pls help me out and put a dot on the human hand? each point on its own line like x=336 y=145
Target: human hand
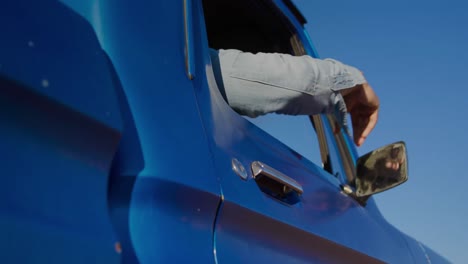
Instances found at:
x=363 y=105
x=396 y=159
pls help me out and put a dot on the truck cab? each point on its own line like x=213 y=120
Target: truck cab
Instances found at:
x=118 y=146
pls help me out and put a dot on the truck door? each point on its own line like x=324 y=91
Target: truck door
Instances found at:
x=278 y=206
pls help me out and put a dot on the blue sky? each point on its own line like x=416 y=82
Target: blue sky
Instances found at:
x=415 y=55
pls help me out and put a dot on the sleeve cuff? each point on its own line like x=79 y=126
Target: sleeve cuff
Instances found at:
x=346 y=76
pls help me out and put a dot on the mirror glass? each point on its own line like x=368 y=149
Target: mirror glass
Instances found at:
x=381 y=169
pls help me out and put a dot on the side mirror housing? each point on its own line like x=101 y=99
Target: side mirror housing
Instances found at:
x=381 y=169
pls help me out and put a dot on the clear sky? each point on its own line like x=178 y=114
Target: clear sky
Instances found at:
x=415 y=55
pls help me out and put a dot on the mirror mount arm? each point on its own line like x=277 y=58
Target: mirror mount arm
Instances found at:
x=362 y=200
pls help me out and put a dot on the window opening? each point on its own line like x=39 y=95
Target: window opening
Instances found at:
x=258 y=26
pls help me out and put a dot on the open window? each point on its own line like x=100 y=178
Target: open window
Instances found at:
x=253 y=26
x=259 y=26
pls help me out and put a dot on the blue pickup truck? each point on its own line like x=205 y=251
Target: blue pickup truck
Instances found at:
x=116 y=145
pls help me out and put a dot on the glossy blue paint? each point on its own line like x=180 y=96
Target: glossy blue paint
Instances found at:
x=57 y=137
x=105 y=140
x=175 y=194
x=61 y=206
x=323 y=212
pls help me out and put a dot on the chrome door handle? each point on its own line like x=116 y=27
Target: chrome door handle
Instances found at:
x=288 y=184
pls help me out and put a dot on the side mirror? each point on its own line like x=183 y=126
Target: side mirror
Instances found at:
x=381 y=169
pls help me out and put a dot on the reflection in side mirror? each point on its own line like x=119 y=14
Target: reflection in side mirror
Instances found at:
x=381 y=169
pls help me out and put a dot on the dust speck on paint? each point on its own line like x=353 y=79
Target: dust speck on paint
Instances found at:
x=45 y=83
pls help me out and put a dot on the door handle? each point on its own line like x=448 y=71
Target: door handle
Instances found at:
x=274 y=180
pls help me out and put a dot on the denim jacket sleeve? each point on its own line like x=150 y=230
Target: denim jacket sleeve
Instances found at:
x=257 y=84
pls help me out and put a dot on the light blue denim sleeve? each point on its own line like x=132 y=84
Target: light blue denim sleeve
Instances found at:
x=262 y=83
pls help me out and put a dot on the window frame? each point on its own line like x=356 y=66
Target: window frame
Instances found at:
x=337 y=151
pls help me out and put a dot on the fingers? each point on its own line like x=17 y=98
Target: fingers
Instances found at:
x=392 y=165
x=363 y=124
x=372 y=121
x=357 y=128
x=363 y=105
x=336 y=128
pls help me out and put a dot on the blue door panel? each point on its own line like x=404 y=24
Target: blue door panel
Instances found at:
x=253 y=226
x=271 y=241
